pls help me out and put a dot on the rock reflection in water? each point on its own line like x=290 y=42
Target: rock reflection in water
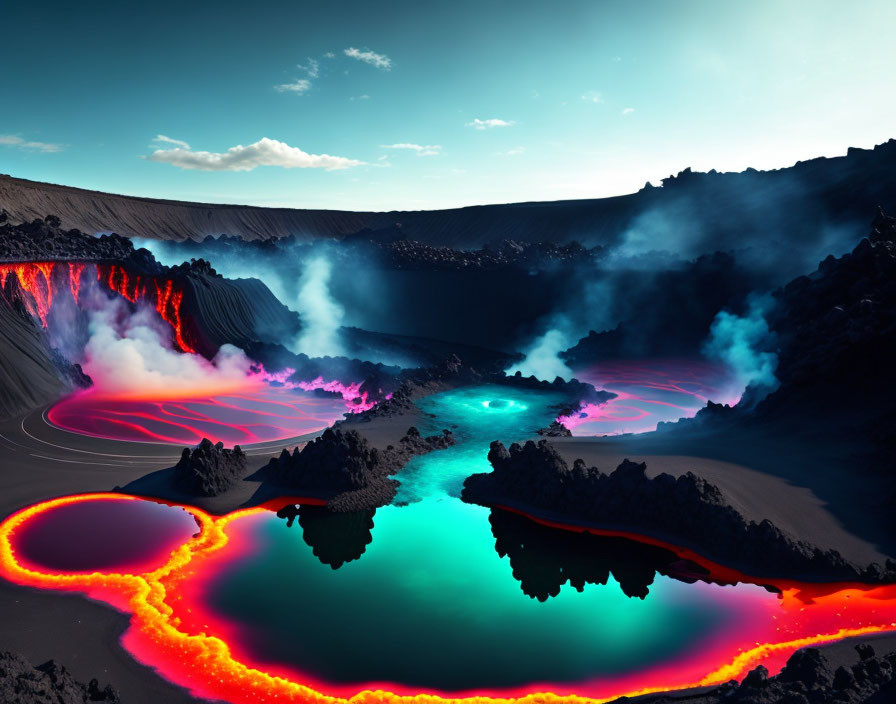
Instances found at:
x=334 y=538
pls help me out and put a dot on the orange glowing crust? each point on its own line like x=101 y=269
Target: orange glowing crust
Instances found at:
x=204 y=664
x=41 y=295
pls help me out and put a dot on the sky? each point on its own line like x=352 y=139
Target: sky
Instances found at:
x=418 y=105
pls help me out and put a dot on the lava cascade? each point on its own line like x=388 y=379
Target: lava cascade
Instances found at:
x=40 y=283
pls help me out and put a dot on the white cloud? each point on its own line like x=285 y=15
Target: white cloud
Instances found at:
x=369 y=57
x=312 y=68
x=420 y=149
x=329 y=55
x=169 y=140
x=298 y=86
x=360 y=97
x=488 y=124
x=264 y=152
x=513 y=151
x=627 y=111
x=11 y=140
x=593 y=96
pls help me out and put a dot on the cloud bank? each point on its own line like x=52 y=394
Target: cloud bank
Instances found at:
x=264 y=152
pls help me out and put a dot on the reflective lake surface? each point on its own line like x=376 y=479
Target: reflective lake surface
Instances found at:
x=433 y=593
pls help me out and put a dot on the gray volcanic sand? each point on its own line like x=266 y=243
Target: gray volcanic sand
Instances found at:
x=41 y=462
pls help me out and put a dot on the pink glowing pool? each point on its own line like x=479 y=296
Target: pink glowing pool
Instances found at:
x=259 y=413
x=650 y=392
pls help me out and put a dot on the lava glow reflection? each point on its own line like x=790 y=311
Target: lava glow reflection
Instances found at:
x=649 y=392
x=252 y=414
x=186 y=645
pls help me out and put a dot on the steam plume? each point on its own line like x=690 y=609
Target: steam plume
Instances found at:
x=321 y=315
x=744 y=344
x=543 y=357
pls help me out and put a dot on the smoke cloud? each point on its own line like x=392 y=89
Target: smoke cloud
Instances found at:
x=130 y=353
x=543 y=357
x=744 y=343
x=321 y=315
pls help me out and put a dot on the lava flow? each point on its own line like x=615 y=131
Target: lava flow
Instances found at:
x=648 y=393
x=249 y=413
x=39 y=285
x=171 y=633
x=165 y=295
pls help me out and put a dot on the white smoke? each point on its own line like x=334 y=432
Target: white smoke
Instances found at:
x=131 y=353
x=543 y=357
x=744 y=344
x=320 y=313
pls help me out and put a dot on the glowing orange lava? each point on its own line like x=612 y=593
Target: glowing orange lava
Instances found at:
x=185 y=652
x=37 y=282
x=35 y=279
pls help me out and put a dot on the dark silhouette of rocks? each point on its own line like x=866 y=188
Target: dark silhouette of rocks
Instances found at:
x=836 y=333
x=209 y=469
x=334 y=537
x=343 y=467
x=543 y=559
x=809 y=677
x=686 y=511
x=22 y=683
x=555 y=430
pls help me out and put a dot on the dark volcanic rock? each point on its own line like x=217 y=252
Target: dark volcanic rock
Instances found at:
x=687 y=511
x=809 y=678
x=343 y=467
x=50 y=683
x=837 y=338
x=209 y=469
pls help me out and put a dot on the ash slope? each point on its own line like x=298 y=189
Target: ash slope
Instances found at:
x=834 y=190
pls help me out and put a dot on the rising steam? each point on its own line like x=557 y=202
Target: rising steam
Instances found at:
x=744 y=345
x=132 y=354
x=543 y=357
x=321 y=315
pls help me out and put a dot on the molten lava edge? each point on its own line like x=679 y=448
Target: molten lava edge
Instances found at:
x=174 y=635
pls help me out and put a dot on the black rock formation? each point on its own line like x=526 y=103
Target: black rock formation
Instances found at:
x=209 y=469
x=686 y=511
x=809 y=677
x=22 y=683
x=342 y=467
x=334 y=537
x=543 y=559
x=31 y=372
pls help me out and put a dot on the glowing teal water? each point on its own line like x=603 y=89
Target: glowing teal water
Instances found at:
x=477 y=416
x=430 y=604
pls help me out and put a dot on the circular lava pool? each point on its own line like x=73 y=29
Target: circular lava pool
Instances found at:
x=260 y=413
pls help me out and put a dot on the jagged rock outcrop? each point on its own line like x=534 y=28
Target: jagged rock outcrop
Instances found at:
x=31 y=372
x=809 y=677
x=343 y=467
x=209 y=469
x=686 y=511
x=50 y=683
x=836 y=333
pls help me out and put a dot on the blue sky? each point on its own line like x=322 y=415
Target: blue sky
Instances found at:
x=493 y=101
